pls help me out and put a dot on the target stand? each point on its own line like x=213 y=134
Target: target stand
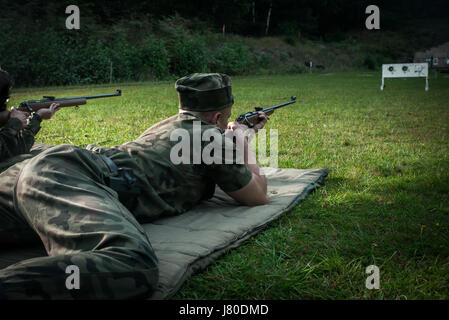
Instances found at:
x=405 y=70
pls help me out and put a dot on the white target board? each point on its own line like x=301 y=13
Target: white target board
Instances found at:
x=405 y=70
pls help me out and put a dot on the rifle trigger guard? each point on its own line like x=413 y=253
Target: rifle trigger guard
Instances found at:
x=27 y=105
x=249 y=124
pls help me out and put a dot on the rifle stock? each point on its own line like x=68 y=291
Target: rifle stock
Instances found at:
x=45 y=104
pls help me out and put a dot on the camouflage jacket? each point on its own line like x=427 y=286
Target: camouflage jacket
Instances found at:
x=168 y=188
x=15 y=140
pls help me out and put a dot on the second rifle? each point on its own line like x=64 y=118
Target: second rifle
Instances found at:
x=34 y=105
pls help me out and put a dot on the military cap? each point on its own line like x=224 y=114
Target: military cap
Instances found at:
x=204 y=92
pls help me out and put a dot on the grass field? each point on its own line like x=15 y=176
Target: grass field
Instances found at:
x=385 y=201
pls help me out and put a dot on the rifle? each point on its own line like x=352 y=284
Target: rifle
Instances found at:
x=34 y=105
x=251 y=118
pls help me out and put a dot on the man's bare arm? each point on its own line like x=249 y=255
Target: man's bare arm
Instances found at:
x=252 y=194
x=255 y=192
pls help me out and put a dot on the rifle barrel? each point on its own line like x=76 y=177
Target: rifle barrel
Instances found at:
x=118 y=93
x=278 y=106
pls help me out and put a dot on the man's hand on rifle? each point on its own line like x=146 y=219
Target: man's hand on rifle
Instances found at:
x=44 y=113
x=263 y=118
x=22 y=116
x=47 y=113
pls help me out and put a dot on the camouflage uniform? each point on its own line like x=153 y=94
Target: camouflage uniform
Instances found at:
x=62 y=195
x=14 y=140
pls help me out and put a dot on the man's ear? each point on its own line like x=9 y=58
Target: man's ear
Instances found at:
x=216 y=117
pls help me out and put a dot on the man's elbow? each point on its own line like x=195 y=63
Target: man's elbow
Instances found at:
x=258 y=201
x=264 y=201
x=253 y=194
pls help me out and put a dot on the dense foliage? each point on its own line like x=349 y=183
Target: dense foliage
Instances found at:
x=158 y=39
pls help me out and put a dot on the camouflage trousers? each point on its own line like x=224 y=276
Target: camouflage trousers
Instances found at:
x=59 y=198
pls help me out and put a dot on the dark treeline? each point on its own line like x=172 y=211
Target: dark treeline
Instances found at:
x=159 y=38
x=246 y=17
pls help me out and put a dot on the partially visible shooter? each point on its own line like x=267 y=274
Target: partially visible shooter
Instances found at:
x=17 y=135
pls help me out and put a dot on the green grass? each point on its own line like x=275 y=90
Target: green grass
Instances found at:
x=385 y=201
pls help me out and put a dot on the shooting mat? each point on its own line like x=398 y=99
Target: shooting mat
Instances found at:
x=187 y=243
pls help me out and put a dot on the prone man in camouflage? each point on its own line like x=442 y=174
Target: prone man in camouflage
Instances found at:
x=17 y=135
x=86 y=205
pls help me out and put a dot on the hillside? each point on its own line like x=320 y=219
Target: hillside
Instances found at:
x=135 y=50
